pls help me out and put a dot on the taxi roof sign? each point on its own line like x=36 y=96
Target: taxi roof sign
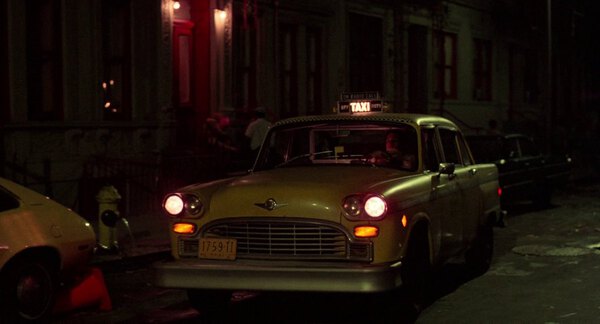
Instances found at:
x=366 y=95
x=360 y=102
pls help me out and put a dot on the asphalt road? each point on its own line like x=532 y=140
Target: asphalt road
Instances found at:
x=545 y=268
x=544 y=271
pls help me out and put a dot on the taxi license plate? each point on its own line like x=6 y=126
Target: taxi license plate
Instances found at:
x=217 y=248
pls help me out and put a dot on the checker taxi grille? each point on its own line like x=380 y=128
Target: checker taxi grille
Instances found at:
x=283 y=239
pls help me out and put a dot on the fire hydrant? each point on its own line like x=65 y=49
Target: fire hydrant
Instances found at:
x=108 y=214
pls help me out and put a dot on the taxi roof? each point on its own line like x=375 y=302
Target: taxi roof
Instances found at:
x=405 y=118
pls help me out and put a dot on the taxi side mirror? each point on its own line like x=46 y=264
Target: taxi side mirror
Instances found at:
x=446 y=168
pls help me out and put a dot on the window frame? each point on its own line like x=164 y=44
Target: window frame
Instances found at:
x=44 y=60
x=482 y=69
x=314 y=66
x=366 y=67
x=116 y=89
x=288 y=69
x=442 y=82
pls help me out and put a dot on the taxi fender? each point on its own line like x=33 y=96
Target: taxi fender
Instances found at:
x=433 y=232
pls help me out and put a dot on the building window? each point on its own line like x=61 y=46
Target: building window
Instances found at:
x=44 y=57
x=245 y=66
x=313 y=74
x=182 y=64
x=116 y=59
x=365 y=53
x=482 y=69
x=288 y=70
x=444 y=60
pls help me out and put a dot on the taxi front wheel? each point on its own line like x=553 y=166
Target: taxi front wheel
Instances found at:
x=27 y=289
x=417 y=272
x=479 y=255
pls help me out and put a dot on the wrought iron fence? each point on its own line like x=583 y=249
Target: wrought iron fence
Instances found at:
x=143 y=183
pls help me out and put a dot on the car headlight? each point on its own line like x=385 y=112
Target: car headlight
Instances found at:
x=375 y=206
x=352 y=205
x=177 y=205
x=364 y=206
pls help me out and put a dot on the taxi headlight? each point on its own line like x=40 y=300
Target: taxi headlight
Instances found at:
x=352 y=205
x=173 y=205
x=193 y=205
x=364 y=207
x=177 y=205
x=375 y=206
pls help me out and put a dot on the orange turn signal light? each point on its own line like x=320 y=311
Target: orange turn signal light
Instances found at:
x=366 y=231
x=184 y=228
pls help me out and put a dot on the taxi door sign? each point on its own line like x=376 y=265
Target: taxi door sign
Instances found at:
x=359 y=102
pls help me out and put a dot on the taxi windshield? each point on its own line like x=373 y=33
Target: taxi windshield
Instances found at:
x=341 y=144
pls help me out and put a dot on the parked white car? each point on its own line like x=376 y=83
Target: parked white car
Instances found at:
x=41 y=244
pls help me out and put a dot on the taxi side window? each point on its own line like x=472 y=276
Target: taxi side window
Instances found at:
x=7 y=201
x=430 y=158
x=449 y=146
x=464 y=152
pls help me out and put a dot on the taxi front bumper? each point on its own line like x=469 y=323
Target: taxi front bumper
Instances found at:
x=278 y=276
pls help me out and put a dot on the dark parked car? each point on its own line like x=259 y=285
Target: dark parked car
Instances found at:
x=524 y=171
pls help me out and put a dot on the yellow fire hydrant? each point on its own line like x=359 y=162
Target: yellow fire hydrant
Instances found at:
x=108 y=214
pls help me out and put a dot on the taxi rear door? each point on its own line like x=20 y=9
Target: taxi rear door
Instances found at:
x=455 y=217
x=443 y=202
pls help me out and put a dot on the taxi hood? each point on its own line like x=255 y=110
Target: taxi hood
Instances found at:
x=315 y=192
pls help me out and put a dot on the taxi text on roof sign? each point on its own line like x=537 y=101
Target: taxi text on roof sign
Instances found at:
x=359 y=102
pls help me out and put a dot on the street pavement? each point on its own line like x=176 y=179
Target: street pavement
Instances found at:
x=545 y=268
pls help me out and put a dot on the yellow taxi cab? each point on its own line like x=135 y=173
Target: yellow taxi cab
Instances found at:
x=357 y=202
x=41 y=243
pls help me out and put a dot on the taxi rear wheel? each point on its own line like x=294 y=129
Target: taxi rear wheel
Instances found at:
x=208 y=302
x=28 y=290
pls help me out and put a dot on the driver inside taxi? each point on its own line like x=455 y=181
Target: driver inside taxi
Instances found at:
x=396 y=153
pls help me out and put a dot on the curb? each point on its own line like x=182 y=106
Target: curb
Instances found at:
x=120 y=263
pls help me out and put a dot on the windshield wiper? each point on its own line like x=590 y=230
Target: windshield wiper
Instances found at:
x=307 y=155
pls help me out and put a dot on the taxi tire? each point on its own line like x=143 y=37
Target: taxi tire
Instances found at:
x=479 y=256
x=38 y=281
x=417 y=271
x=208 y=301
